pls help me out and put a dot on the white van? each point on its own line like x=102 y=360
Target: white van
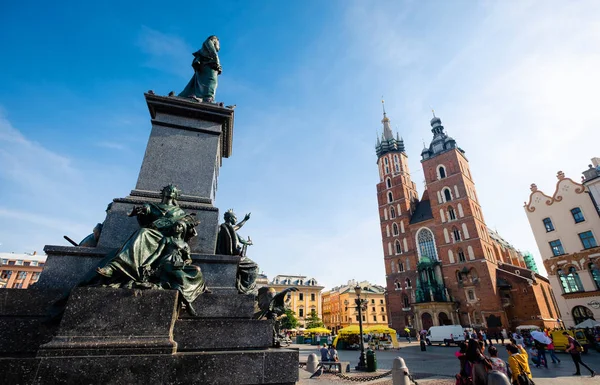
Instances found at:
x=448 y=334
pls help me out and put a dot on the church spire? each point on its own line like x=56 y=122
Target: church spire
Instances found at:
x=387 y=130
x=388 y=143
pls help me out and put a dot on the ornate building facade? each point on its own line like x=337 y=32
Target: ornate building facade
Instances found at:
x=340 y=311
x=304 y=301
x=566 y=227
x=443 y=264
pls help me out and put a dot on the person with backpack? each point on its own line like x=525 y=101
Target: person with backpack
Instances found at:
x=575 y=350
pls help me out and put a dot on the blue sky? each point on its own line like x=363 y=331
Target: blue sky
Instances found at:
x=513 y=82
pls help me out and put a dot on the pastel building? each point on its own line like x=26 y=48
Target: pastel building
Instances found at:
x=19 y=271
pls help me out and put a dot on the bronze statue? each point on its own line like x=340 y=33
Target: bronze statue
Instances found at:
x=229 y=242
x=92 y=239
x=157 y=255
x=272 y=306
x=203 y=85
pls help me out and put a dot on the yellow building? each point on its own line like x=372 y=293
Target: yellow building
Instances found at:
x=304 y=301
x=19 y=271
x=339 y=309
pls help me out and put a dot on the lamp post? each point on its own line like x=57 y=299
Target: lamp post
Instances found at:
x=361 y=361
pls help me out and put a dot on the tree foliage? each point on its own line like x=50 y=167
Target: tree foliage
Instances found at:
x=289 y=321
x=313 y=321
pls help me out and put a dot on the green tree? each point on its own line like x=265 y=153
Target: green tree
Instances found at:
x=289 y=321
x=313 y=321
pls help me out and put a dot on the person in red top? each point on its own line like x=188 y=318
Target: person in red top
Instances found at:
x=576 y=355
x=550 y=350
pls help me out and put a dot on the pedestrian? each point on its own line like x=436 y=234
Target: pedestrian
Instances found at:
x=333 y=354
x=497 y=363
x=489 y=337
x=541 y=348
x=575 y=350
x=464 y=376
x=329 y=340
x=533 y=354
x=550 y=349
x=479 y=363
x=407 y=331
x=484 y=337
x=324 y=353
x=497 y=337
x=518 y=362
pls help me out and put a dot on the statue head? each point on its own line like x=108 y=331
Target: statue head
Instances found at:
x=215 y=41
x=178 y=228
x=171 y=192
x=230 y=217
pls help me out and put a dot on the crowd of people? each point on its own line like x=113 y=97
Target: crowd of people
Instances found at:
x=477 y=369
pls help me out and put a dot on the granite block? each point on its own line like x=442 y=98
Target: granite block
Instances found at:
x=106 y=321
x=31 y=302
x=223 y=305
x=220 y=271
x=227 y=368
x=194 y=334
x=118 y=226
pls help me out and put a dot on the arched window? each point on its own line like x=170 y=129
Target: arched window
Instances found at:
x=392 y=212
x=400 y=267
x=398 y=249
x=570 y=282
x=395 y=229
x=426 y=244
x=442 y=172
x=388 y=183
x=408 y=285
x=595 y=274
x=581 y=313
x=447 y=195
x=451 y=214
x=390 y=197
x=471 y=295
x=405 y=301
x=397 y=284
x=396 y=164
x=461 y=256
x=456 y=234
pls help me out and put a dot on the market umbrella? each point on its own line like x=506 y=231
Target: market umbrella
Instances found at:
x=588 y=323
x=319 y=330
x=352 y=329
x=541 y=337
x=382 y=329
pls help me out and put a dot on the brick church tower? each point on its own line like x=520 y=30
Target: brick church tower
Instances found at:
x=443 y=265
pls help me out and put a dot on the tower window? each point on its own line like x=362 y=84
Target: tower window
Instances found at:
x=395 y=229
x=426 y=245
x=471 y=294
x=461 y=255
x=408 y=285
x=548 y=225
x=587 y=240
x=451 y=214
x=447 y=195
x=442 y=172
x=400 y=267
x=392 y=212
x=456 y=234
x=405 y=301
x=399 y=251
x=390 y=197
x=577 y=215
x=388 y=183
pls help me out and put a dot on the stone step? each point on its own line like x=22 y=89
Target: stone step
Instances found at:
x=197 y=334
x=223 y=304
x=244 y=367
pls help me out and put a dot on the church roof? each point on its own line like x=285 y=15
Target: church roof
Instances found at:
x=423 y=211
x=440 y=143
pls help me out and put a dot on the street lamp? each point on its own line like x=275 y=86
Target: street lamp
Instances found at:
x=361 y=361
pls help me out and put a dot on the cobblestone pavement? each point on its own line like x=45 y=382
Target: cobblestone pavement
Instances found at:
x=438 y=365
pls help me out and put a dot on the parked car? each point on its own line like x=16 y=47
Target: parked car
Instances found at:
x=447 y=334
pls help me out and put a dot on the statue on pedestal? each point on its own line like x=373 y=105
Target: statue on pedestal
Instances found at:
x=157 y=256
x=207 y=68
x=229 y=242
x=272 y=306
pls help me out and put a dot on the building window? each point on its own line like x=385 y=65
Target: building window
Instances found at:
x=548 y=225
x=406 y=301
x=442 y=172
x=390 y=197
x=6 y=274
x=556 y=247
x=587 y=240
x=570 y=282
x=426 y=244
x=312 y=296
x=301 y=296
x=595 y=274
x=395 y=230
x=381 y=301
x=383 y=318
x=375 y=318
x=22 y=275
x=392 y=212
x=451 y=214
x=301 y=312
x=577 y=215
x=20 y=261
x=447 y=195
x=581 y=313
x=18 y=285
x=408 y=285
x=461 y=255
x=397 y=284
x=364 y=318
x=388 y=183
x=34 y=263
x=398 y=250
x=456 y=234
x=4 y=261
x=356 y=318
x=471 y=295
x=382 y=309
x=400 y=267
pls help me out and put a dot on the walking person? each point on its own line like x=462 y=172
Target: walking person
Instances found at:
x=541 y=348
x=550 y=349
x=575 y=350
x=407 y=331
x=518 y=362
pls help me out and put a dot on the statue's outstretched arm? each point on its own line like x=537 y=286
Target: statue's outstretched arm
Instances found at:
x=240 y=224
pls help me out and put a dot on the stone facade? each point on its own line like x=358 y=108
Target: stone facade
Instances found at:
x=304 y=301
x=339 y=309
x=443 y=264
x=566 y=227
